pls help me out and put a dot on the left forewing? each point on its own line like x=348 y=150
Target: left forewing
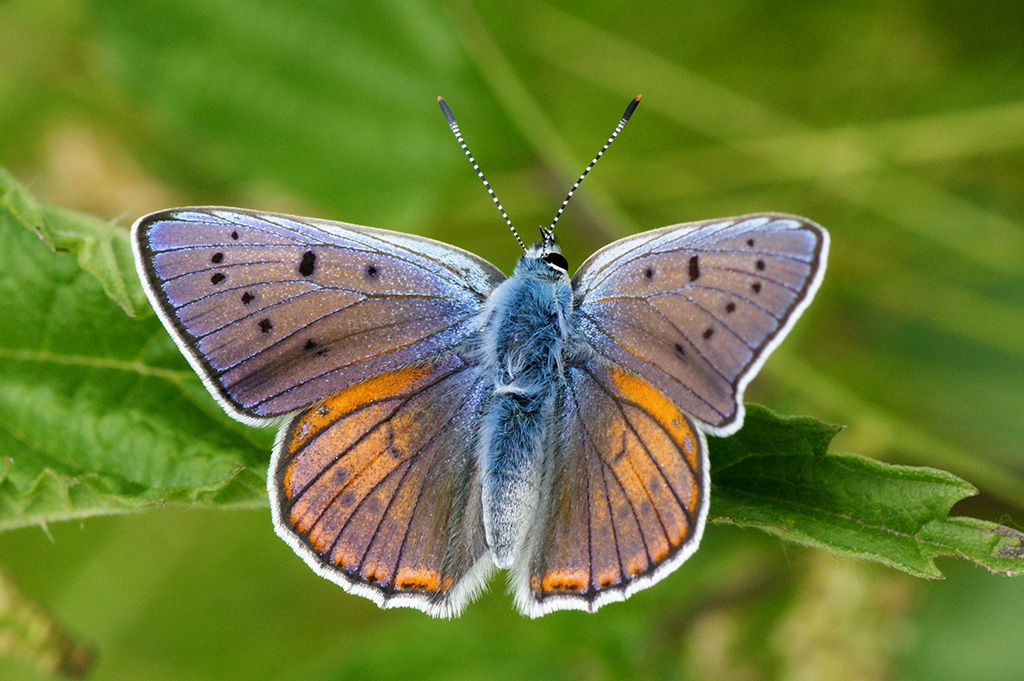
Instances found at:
x=276 y=312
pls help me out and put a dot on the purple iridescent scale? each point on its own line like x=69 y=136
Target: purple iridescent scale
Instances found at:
x=279 y=313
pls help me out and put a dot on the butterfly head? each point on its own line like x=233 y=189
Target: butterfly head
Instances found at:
x=543 y=260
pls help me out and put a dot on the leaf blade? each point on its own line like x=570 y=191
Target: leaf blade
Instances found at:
x=101 y=248
x=99 y=413
x=849 y=504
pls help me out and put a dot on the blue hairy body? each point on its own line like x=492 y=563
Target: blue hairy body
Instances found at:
x=526 y=337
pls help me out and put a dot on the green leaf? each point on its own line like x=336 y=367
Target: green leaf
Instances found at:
x=776 y=475
x=99 y=413
x=101 y=248
x=103 y=415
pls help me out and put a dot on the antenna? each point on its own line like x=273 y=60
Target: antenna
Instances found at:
x=450 y=117
x=550 y=232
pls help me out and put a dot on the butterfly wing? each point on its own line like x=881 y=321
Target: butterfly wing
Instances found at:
x=276 y=312
x=625 y=494
x=679 y=319
x=377 y=487
x=696 y=308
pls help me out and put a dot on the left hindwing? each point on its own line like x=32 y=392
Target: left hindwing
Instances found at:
x=624 y=498
x=696 y=308
x=377 y=487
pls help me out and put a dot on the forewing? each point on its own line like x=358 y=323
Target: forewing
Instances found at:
x=276 y=312
x=696 y=308
x=377 y=487
x=625 y=498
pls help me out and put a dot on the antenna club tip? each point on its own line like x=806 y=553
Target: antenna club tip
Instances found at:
x=448 y=115
x=629 y=109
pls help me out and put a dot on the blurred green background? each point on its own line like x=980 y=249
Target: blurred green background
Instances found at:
x=897 y=125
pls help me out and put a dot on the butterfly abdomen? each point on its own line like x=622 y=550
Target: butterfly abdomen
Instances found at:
x=524 y=343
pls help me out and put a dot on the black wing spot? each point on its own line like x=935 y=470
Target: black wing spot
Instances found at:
x=730 y=307
x=308 y=263
x=649 y=273
x=621 y=452
x=680 y=352
x=323 y=411
x=708 y=333
x=750 y=242
x=760 y=264
x=217 y=278
x=372 y=271
x=310 y=344
x=217 y=258
x=265 y=325
x=694 y=269
x=247 y=298
x=234 y=235
x=756 y=287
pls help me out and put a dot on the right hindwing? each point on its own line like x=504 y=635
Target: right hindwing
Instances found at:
x=624 y=498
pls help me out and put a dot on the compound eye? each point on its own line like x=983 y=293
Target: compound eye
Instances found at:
x=556 y=259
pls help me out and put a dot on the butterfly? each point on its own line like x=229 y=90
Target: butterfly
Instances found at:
x=442 y=420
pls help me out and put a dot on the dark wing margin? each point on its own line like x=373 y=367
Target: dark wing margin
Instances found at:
x=275 y=312
x=696 y=308
x=625 y=497
x=377 y=487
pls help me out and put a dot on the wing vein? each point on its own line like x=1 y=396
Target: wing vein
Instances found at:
x=403 y=401
x=611 y=520
x=617 y=402
x=646 y=360
x=622 y=487
x=426 y=478
x=336 y=369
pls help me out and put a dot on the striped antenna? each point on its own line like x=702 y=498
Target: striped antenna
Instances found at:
x=450 y=117
x=549 y=234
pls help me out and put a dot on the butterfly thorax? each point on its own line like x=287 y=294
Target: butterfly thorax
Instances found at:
x=527 y=328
